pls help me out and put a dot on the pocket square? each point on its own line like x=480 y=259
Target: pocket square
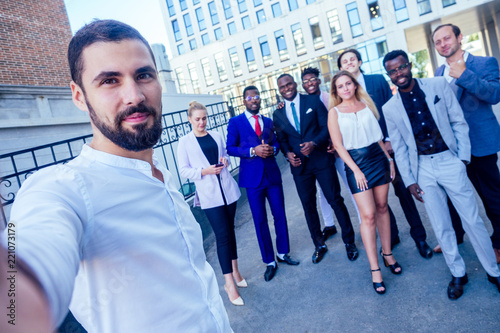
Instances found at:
x=309 y=110
x=436 y=99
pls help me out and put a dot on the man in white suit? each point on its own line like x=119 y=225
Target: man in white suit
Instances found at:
x=430 y=139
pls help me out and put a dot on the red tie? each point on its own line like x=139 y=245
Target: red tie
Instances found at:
x=258 y=130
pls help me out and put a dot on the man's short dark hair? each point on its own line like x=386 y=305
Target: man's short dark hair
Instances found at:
x=310 y=70
x=356 y=52
x=98 y=31
x=284 y=75
x=394 y=54
x=248 y=89
x=456 y=30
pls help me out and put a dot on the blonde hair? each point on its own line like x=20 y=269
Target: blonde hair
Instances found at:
x=361 y=94
x=194 y=105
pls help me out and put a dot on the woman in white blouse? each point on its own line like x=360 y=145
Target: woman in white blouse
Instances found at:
x=202 y=158
x=357 y=137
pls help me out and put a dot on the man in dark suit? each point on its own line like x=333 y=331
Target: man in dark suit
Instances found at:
x=301 y=127
x=250 y=137
x=379 y=90
x=476 y=83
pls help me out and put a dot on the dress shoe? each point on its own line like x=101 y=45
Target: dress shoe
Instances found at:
x=287 y=259
x=456 y=287
x=238 y=301
x=395 y=242
x=319 y=253
x=329 y=231
x=495 y=280
x=270 y=271
x=242 y=284
x=497 y=254
x=437 y=249
x=352 y=251
x=424 y=249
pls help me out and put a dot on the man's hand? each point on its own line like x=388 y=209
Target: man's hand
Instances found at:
x=293 y=159
x=264 y=150
x=388 y=147
x=416 y=191
x=330 y=149
x=307 y=148
x=280 y=105
x=457 y=68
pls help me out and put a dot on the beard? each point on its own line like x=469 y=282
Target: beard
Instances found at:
x=140 y=138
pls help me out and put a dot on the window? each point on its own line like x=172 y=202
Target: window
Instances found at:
x=447 y=3
x=183 y=4
x=375 y=18
x=218 y=33
x=195 y=2
x=308 y=2
x=316 y=33
x=292 y=4
x=281 y=43
x=177 y=31
x=235 y=61
x=180 y=49
x=335 y=30
x=192 y=44
x=266 y=53
x=170 y=6
x=252 y=66
x=257 y=3
x=213 y=13
x=194 y=77
x=276 y=9
x=424 y=6
x=205 y=39
x=181 y=81
x=231 y=27
x=189 y=26
x=298 y=38
x=205 y=66
x=352 y=13
x=372 y=52
x=261 y=16
x=245 y=20
x=242 y=6
x=221 y=68
x=201 y=19
x=226 y=4
x=400 y=10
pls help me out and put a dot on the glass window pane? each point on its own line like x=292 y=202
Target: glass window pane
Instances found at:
x=334 y=23
x=181 y=81
x=261 y=16
x=201 y=19
x=205 y=39
x=177 y=30
x=170 y=6
x=207 y=73
x=231 y=26
x=292 y=4
x=189 y=26
x=226 y=4
x=235 y=62
x=221 y=67
x=276 y=9
x=281 y=43
x=194 y=77
x=316 y=33
x=218 y=33
x=180 y=49
x=245 y=20
x=183 y=4
x=298 y=38
x=447 y=3
x=192 y=44
x=257 y=3
x=242 y=6
x=424 y=7
x=213 y=13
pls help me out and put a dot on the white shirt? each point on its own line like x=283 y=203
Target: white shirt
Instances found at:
x=288 y=109
x=124 y=247
x=446 y=72
x=359 y=129
x=361 y=80
x=251 y=119
x=325 y=98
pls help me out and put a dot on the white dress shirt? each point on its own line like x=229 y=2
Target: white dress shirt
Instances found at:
x=361 y=81
x=446 y=72
x=288 y=109
x=102 y=232
x=251 y=120
x=359 y=129
x=325 y=98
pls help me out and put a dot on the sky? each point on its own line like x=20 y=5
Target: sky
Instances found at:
x=144 y=15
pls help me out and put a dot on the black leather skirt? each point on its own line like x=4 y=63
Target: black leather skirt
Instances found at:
x=373 y=163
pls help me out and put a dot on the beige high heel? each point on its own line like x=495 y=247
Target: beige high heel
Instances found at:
x=242 y=284
x=238 y=301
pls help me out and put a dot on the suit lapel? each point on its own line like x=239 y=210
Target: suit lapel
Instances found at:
x=248 y=125
x=402 y=113
x=429 y=99
x=303 y=109
x=468 y=64
x=285 y=122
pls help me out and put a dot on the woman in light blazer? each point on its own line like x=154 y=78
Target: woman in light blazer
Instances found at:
x=202 y=158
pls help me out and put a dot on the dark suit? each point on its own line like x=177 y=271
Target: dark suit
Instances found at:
x=379 y=90
x=262 y=179
x=319 y=165
x=478 y=88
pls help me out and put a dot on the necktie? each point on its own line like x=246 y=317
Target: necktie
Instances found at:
x=295 y=118
x=258 y=130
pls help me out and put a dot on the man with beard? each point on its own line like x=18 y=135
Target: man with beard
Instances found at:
x=430 y=139
x=250 y=137
x=476 y=83
x=109 y=231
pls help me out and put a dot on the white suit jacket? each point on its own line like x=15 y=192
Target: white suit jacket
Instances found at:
x=190 y=161
x=448 y=116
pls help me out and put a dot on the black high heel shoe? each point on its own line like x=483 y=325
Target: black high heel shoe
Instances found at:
x=392 y=267
x=377 y=285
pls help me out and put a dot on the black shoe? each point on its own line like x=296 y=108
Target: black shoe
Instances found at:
x=329 y=231
x=352 y=251
x=392 y=267
x=495 y=280
x=319 y=253
x=270 y=271
x=288 y=260
x=424 y=249
x=456 y=287
x=377 y=285
x=395 y=242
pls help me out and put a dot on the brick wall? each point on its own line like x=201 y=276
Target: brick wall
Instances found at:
x=34 y=37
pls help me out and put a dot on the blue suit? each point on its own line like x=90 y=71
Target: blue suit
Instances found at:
x=262 y=179
x=478 y=88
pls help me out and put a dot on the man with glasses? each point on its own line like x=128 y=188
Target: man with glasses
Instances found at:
x=430 y=139
x=250 y=137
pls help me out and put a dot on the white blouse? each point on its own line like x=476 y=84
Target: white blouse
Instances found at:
x=359 y=129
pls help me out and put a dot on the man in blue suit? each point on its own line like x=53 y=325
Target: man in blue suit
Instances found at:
x=476 y=83
x=250 y=137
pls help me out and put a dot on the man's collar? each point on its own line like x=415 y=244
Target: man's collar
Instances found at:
x=295 y=100
x=249 y=114
x=466 y=56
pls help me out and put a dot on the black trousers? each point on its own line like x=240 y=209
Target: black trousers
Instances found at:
x=221 y=219
x=417 y=230
x=329 y=182
x=484 y=174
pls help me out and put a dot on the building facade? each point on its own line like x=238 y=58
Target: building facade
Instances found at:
x=221 y=46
